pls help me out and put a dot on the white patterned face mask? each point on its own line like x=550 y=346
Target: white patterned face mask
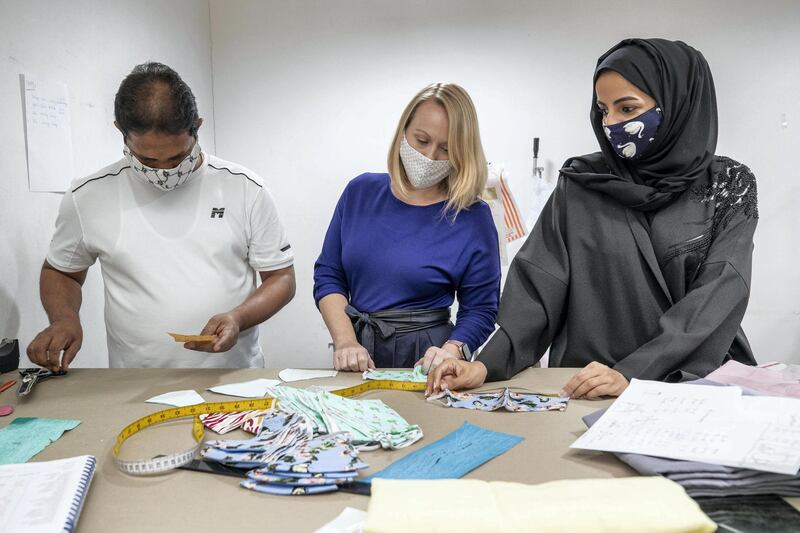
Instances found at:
x=165 y=179
x=421 y=171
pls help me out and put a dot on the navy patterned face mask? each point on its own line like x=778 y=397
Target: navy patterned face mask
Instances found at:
x=630 y=139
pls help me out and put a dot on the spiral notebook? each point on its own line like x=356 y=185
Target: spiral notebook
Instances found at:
x=45 y=496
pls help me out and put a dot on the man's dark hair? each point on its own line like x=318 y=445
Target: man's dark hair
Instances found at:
x=153 y=97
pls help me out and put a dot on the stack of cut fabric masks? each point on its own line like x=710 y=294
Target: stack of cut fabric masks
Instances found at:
x=713 y=480
x=310 y=444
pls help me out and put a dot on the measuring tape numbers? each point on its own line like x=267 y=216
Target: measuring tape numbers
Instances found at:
x=164 y=463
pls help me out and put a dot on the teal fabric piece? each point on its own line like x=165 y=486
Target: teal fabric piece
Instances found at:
x=416 y=376
x=25 y=437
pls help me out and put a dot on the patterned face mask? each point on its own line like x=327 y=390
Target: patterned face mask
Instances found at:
x=421 y=171
x=165 y=179
x=632 y=138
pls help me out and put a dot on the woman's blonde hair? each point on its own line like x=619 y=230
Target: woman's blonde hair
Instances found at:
x=468 y=177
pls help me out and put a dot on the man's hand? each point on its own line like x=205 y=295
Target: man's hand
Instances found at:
x=56 y=346
x=595 y=380
x=434 y=356
x=352 y=357
x=226 y=327
x=456 y=374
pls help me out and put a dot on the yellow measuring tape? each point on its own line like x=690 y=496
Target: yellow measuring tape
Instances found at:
x=164 y=463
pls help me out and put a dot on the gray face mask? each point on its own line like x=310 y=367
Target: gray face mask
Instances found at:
x=421 y=171
x=165 y=179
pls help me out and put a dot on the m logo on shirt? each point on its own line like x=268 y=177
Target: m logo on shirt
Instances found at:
x=217 y=212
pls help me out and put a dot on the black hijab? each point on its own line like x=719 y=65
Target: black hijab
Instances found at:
x=678 y=78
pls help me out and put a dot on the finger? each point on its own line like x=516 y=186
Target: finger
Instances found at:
x=225 y=340
x=363 y=364
x=581 y=376
x=599 y=391
x=352 y=361
x=371 y=365
x=337 y=365
x=448 y=368
x=211 y=327
x=35 y=351
x=590 y=384
x=57 y=345
x=70 y=353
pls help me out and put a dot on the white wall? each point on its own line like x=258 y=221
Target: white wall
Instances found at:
x=90 y=46
x=307 y=94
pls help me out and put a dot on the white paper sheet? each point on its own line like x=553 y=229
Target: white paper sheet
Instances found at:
x=708 y=424
x=349 y=521
x=256 y=388
x=178 y=398
x=298 y=374
x=48 y=135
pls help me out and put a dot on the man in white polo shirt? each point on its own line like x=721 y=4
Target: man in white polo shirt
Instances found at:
x=180 y=235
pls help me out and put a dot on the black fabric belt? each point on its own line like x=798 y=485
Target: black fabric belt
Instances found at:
x=387 y=323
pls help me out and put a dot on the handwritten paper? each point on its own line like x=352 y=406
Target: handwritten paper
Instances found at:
x=298 y=374
x=179 y=398
x=48 y=135
x=256 y=388
x=707 y=424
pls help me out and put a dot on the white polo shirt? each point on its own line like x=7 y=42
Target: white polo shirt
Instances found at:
x=171 y=260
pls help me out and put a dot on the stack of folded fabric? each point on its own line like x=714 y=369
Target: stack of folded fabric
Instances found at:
x=704 y=479
x=286 y=458
x=599 y=505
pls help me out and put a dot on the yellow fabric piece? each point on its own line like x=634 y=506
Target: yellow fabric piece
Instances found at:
x=619 y=505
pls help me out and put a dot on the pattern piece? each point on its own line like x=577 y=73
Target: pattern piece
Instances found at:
x=416 y=376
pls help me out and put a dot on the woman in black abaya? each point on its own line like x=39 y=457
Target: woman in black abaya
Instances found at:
x=639 y=265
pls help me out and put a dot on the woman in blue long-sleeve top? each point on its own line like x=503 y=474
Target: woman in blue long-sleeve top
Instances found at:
x=401 y=246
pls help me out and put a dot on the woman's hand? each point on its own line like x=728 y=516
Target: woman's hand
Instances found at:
x=352 y=357
x=595 y=380
x=434 y=356
x=455 y=374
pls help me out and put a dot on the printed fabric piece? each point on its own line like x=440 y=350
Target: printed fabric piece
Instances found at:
x=286 y=458
x=416 y=376
x=369 y=422
x=510 y=401
x=225 y=422
x=452 y=456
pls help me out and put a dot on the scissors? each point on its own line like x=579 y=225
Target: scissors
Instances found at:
x=32 y=376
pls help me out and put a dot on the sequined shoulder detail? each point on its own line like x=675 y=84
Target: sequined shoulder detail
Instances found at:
x=732 y=189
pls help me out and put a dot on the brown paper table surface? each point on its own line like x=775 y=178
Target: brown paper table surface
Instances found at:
x=105 y=400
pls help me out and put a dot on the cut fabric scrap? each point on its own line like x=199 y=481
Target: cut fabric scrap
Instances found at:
x=771 y=381
x=348 y=521
x=255 y=388
x=510 y=401
x=299 y=374
x=596 y=505
x=225 y=422
x=416 y=376
x=23 y=438
x=179 y=398
x=452 y=456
